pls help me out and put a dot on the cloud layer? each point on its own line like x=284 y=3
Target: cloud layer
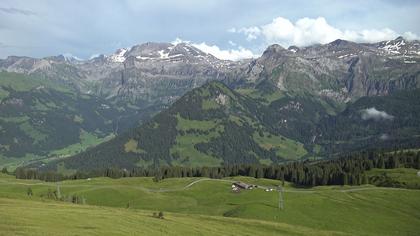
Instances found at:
x=228 y=54
x=307 y=31
x=40 y=28
x=374 y=114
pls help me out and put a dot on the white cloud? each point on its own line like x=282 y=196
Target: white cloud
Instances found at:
x=384 y=137
x=178 y=41
x=232 y=30
x=230 y=42
x=94 y=56
x=307 y=31
x=374 y=114
x=410 y=36
x=228 y=54
x=71 y=56
x=250 y=32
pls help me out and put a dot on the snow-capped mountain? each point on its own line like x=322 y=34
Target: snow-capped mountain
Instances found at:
x=161 y=72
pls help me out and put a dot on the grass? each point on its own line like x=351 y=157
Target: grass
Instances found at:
x=186 y=124
x=286 y=148
x=185 y=143
x=17 y=119
x=47 y=218
x=3 y=94
x=32 y=132
x=86 y=140
x=400 y=177
x=131 y=146
x=364 y=210
x=188 y=153
x=209 y=104
x=21 y=83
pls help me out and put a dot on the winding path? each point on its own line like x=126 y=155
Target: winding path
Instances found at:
x=355 y=189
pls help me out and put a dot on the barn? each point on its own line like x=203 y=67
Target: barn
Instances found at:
x=241 y=185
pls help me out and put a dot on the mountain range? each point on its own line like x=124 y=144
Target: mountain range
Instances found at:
x=294 y=103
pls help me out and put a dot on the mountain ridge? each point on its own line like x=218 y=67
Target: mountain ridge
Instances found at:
x=213 y=125
x=329 y=77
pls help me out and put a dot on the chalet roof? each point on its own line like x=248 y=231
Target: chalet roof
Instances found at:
x=242 y=185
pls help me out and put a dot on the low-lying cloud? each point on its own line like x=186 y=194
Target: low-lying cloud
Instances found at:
x=384 y=137
x=374 y=114
x=229 y=54
x=307 y=31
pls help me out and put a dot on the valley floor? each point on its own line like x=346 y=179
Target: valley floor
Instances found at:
x=197 y=206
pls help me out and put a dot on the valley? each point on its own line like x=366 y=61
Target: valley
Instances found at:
x=285 y=105
x=209 y=118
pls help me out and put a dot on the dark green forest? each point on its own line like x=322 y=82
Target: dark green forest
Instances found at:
x=346 y=170
x=214 y=125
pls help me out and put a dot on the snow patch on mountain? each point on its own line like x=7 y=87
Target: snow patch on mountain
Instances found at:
x=118 y=56
x=393 y=46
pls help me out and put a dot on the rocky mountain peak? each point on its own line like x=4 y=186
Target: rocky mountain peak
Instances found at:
x=275 y=48
x=339 y=43
x=119 y=55
x=293 y=49
x=399 y=46
x=59 y=58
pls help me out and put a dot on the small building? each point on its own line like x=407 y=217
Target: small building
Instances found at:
x=241 y=185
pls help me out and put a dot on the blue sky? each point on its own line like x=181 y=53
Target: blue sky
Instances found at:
x=229 y=29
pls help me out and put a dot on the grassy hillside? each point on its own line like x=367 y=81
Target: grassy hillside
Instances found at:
x=45 y=119
x=352 y=129
x=400 y=177
x=208 y=126
x=214 y=125
x=343 y=210
x=39 y=218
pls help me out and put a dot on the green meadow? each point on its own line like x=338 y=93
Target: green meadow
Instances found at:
x=198 y=206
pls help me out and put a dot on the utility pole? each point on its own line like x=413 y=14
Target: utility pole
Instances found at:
x=281 y=199
x=58 y=191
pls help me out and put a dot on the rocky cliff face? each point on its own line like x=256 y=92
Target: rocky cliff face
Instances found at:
x=158 y=73
x=340 y=70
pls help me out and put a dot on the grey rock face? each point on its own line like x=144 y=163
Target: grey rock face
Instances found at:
x=158 y=73
x=341 y=70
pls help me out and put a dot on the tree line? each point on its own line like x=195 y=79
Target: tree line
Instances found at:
x=346 y=170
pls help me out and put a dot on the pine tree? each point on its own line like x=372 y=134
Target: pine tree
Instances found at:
x=345 y=179
x=365 y=179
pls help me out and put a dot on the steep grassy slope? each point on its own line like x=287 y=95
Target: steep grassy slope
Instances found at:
x=363 y=210
x=391 y=121
x=400 y=177
x=209 y=126
x=36 y=218
x=214 y=125
x=40 y=118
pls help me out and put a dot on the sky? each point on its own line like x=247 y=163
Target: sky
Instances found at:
x=227 y=29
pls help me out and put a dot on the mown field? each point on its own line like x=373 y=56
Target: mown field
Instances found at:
x=207 y=207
